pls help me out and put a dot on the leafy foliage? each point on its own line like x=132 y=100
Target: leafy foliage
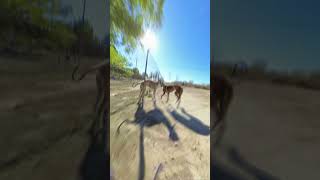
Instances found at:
x=130 y=17
x=117 y=60
x=119 y=64
x=136 y=74
x=29 y=25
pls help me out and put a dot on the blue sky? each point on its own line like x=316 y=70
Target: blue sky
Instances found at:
x=183 y=42
x=183 y=47
x=286 y=33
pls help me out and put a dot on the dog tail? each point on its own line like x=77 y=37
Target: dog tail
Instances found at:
x=125 y=121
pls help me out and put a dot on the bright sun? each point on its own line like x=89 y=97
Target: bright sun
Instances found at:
x=149 y=40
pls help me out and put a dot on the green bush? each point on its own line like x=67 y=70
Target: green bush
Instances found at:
x=119 y=64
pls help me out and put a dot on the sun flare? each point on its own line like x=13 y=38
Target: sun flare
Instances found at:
x=149 y=40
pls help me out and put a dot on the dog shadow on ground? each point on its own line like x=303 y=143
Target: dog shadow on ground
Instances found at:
x=94 y=165
x=148 y=119
x=190 y=122
x=223 y=172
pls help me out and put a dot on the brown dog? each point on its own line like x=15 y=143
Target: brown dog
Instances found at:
x=168 y=89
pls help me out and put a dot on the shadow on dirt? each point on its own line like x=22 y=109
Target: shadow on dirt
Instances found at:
x=148 y=119
x=95 y=166
x=219 y=171
x=191 y=122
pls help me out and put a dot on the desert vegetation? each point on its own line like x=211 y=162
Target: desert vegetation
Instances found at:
x=259 y=71
x=38 y=27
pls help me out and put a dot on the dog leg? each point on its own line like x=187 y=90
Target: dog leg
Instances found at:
x=164 y=92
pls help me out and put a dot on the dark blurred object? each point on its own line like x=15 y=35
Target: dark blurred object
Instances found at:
x=243 y=171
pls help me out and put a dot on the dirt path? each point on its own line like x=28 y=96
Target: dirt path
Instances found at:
x=176 y=138
x=272 y=132
x=45 y=118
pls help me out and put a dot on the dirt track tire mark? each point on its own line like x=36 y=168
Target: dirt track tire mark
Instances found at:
x=122 y=107
x=122 y=92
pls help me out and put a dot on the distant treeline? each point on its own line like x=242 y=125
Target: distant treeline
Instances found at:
x=37 y=26
x=191 y=84
x=259 y=71
x=119 y=68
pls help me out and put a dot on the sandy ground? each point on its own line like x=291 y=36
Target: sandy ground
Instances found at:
x=272 y=132
x=161 y=133
x=44 y=121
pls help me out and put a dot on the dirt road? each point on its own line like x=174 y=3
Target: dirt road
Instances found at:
x=272 y=132
x=161 y=133
x=45 y=119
